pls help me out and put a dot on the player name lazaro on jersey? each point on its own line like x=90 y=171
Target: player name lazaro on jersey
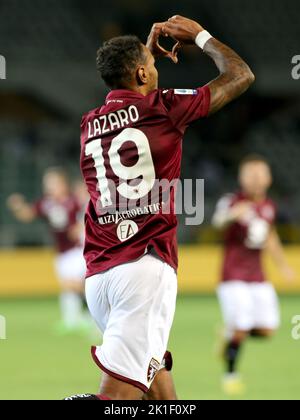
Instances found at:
x=129 y=146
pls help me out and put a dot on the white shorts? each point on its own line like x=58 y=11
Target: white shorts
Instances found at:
x=71 y=266
x=134 y=306
x=248 y=306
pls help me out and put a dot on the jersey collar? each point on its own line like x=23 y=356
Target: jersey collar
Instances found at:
x=123 y=94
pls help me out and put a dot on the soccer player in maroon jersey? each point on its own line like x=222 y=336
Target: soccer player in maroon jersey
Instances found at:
x=249 y=303
x=129 y=145
x=61 y=210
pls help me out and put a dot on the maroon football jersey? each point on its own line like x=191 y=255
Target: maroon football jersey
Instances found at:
x=245 y=241
x=60 y=217
x=128 y=146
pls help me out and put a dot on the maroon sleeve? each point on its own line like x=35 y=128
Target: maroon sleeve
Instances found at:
x=185 y=106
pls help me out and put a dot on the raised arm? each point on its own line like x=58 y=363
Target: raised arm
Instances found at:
x=225 y=214
x=235 y=75
x=23 y=211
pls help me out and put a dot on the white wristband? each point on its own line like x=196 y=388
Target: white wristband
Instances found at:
x=202 y=39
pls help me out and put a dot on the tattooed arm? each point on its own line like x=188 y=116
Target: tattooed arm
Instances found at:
x=235 y=75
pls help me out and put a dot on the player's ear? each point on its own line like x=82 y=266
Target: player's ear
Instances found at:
x=142 y=76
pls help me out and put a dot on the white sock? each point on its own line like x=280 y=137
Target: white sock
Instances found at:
x=71 y=308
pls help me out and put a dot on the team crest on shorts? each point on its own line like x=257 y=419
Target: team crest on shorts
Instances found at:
x=153 y=369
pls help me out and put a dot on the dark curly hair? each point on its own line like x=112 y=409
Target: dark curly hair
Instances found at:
x=117 y=59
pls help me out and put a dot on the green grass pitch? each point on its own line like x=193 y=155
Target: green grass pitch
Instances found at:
x=36 y=364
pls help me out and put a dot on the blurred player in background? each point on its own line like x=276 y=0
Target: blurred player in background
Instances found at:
x=128 y=145
x=82 y=197
x=249 y=303
x=63 y=213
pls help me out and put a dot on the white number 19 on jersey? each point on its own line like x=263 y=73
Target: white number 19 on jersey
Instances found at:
x=143 y=168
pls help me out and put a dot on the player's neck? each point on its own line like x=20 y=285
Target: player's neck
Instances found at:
x=256 y=198
x=142 y=90
x=61 y=198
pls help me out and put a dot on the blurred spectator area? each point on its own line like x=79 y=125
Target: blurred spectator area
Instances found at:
x=50 y=50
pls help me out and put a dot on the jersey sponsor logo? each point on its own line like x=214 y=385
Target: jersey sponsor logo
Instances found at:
x=130 y=214
x=258 y=231
x=153 y=369
x=126 y=230
x=58 y=218
x=186 y=92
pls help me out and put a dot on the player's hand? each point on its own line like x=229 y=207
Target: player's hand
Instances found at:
x=74 y=232
x=156 y=49
x=15 y=202
x=239 y=212
x=182 y=29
